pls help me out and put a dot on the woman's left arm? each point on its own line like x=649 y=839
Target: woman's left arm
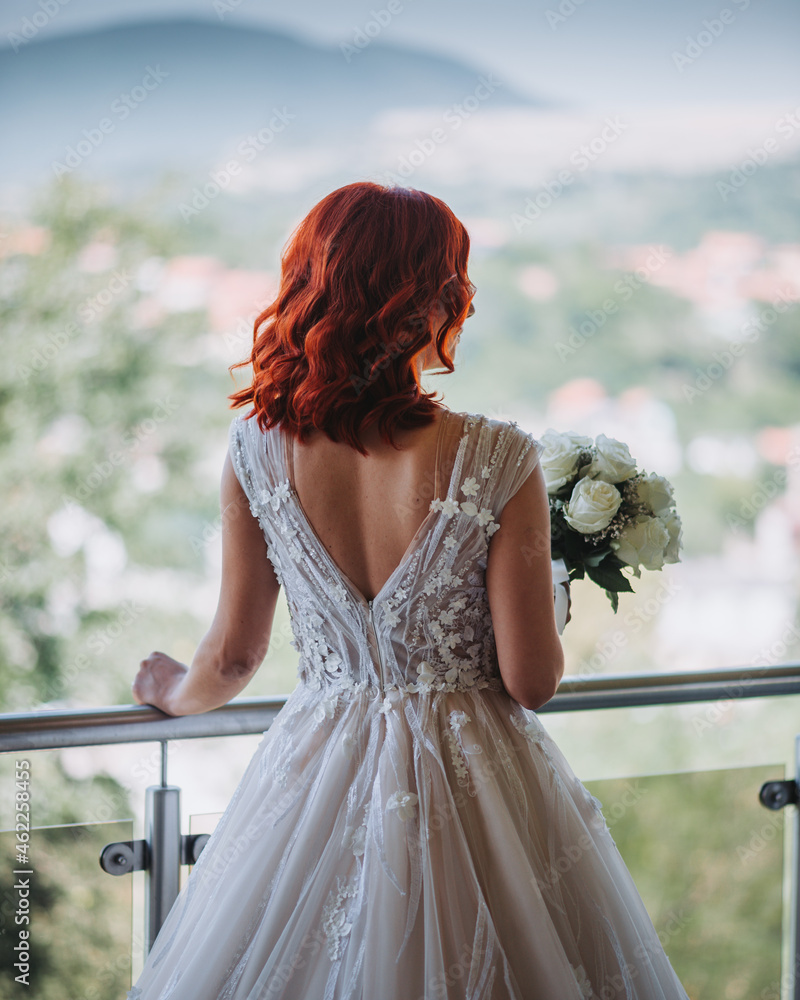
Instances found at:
x=237 y=641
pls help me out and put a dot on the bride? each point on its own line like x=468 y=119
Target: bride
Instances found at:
x=406 y=828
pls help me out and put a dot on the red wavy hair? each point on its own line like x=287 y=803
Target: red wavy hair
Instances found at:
x=360 y=275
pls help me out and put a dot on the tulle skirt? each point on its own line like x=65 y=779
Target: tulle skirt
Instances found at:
x=419 y=846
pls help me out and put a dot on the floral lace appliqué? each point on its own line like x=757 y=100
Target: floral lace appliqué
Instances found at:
x=355 y=838
x=273 y=499
x=404 y=803
x=278 y=763
x=583 y=982
x=457 y=721
x=335 y=922
x=532 y=732
x=326 y=708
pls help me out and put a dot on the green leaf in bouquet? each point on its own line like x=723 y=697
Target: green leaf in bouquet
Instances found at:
x=573 y=552
x=608 y=575
x=563 y=495
x=595 y=558
x=575 y=570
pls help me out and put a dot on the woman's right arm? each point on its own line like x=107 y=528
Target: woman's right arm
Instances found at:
x=519 y=584
x=238 y=639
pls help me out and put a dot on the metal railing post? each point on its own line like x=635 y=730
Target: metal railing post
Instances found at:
x=161 y=853
x=796 y=879
x=778 y=795
x=163 y=837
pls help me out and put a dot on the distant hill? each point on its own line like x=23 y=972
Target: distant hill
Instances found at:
x=223 y=82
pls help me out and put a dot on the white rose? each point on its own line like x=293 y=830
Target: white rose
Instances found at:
x=613 y=462
x=656 y=492
x=592 y=505
x=643 y=543
x=559 y=459
x=675 y=529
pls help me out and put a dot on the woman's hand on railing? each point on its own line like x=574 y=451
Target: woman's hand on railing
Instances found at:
x=156 y=681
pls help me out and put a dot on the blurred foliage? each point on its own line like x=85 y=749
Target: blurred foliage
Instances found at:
x=113 y=425
x=108 y=416
x=94 y=402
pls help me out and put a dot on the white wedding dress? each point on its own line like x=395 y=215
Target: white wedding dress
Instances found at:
x=405 y=829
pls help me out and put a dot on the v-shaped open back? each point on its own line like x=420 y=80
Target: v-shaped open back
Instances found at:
x=287 y=454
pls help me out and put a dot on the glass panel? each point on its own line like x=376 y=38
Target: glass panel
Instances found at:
x=681 y=856
x=81 y=789
x=79 y=917
x=204 y=822
x=708 y=861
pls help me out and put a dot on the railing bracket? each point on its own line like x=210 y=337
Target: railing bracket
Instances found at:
x=777 y=794
x=127 y=856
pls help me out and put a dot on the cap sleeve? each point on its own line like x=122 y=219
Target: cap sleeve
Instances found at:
x=238 y=446
x=520 y=454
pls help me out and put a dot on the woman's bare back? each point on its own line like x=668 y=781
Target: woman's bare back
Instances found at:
x=367 y=510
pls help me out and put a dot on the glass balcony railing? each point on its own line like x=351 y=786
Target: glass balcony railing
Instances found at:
x=694 y=772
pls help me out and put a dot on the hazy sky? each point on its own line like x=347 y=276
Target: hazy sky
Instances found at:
x=605 y=53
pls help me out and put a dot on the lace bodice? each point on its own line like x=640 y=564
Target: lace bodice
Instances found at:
x=429 y=626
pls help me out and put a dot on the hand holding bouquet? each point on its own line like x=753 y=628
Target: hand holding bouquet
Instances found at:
x=604 y=513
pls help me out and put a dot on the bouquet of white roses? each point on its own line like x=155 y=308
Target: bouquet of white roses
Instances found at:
x=604 y=513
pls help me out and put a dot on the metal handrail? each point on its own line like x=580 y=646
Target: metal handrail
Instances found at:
x=165 y=849
x=49 y=729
